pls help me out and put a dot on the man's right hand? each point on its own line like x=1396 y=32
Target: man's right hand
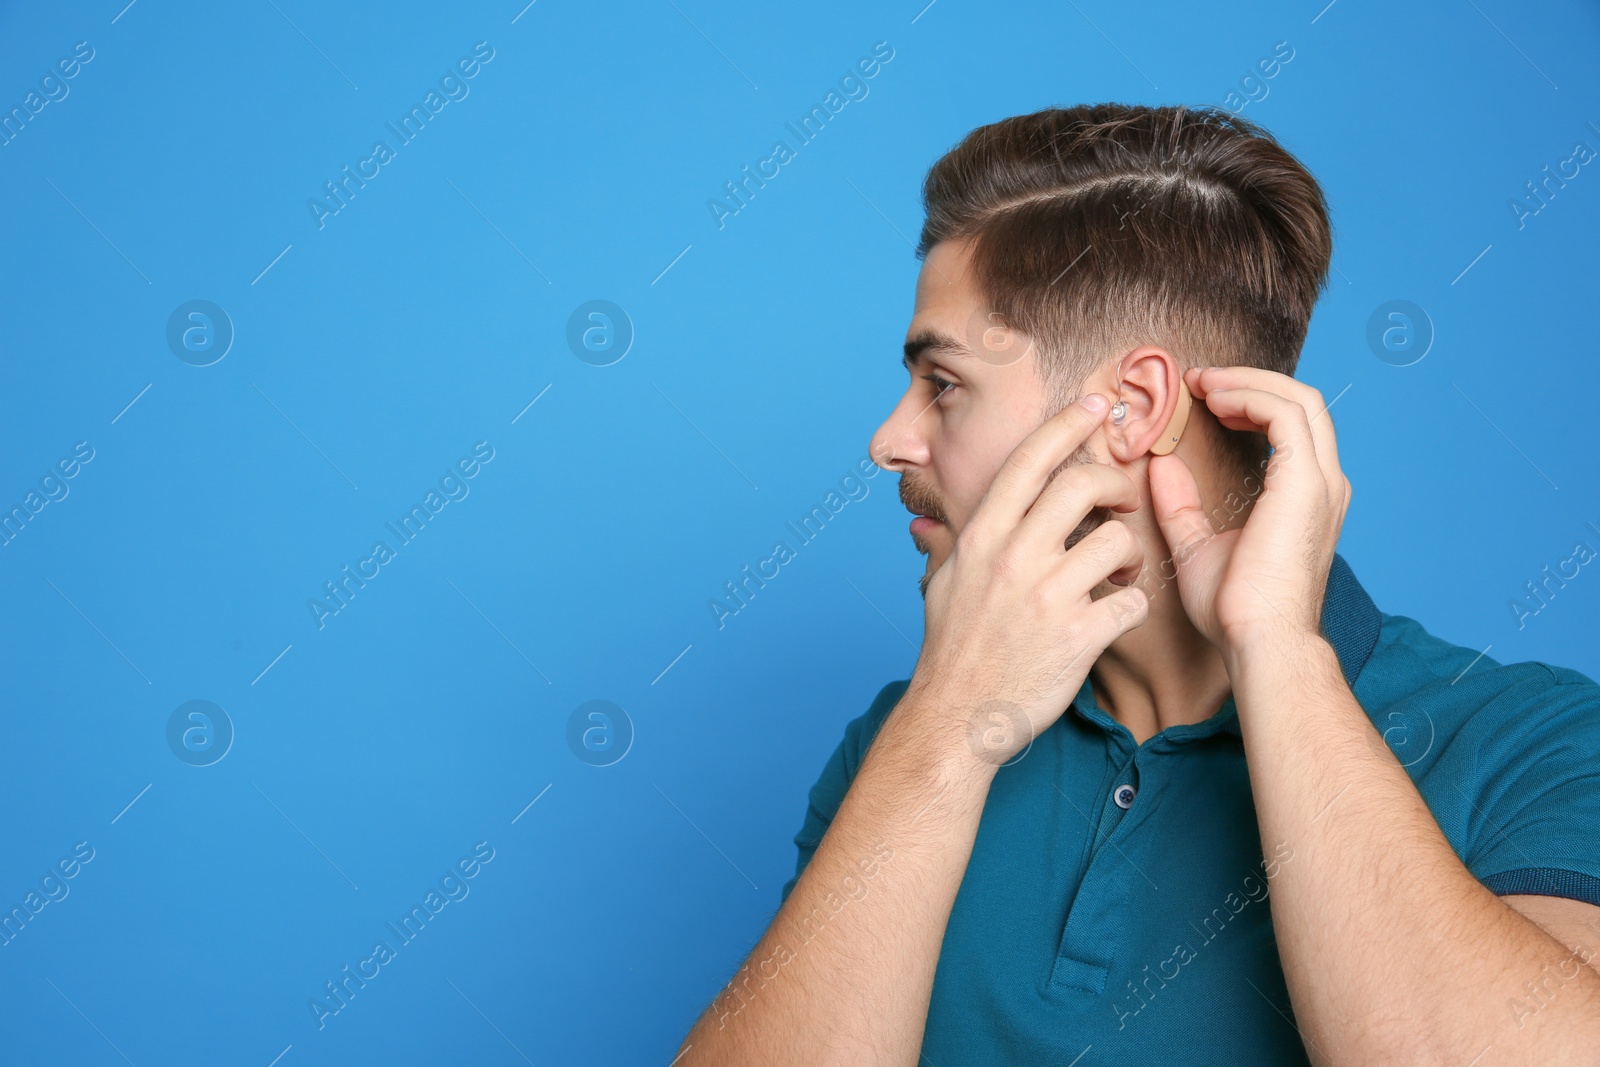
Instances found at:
x=1011 y=633
x=1011 y=629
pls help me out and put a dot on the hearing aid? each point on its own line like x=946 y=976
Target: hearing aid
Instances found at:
x=1176 y=425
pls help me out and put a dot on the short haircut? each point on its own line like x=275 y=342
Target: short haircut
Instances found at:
x=1101 y=227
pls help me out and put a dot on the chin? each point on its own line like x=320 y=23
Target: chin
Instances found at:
x=934 y=563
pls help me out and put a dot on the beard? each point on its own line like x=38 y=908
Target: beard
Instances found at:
x=918 y=498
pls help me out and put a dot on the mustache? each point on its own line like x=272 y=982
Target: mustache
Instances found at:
x=920 y=500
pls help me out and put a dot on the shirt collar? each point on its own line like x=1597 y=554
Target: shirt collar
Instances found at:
x=1350 y=623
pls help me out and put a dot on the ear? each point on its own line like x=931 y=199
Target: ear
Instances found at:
x=1150 y=385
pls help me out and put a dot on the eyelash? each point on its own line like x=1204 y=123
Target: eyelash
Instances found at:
x=943 y=386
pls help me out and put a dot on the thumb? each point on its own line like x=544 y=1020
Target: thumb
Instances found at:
x=1175 y=499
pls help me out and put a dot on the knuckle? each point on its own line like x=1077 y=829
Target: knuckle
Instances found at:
x=1130 y=608
x=1090 y=554
x=1121 y=537
x=973 y=535
x=1026 y=455
x=1115 y=484
x=1007 y=564
x=1116 y=541
x=1072 y=481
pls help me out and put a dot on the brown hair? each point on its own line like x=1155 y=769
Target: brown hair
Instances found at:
x=1100 y=227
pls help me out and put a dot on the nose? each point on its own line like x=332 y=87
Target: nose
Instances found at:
x=899 y=443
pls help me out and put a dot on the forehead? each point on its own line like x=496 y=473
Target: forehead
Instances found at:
x=951 y=319
x=946 y=288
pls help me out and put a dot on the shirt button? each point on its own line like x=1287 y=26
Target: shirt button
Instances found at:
x=1123 y=796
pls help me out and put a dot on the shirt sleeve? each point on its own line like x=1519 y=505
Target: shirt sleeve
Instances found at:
x=837 y=774
x=1537 y=813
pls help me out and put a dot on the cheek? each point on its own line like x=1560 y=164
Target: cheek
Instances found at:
x=966 y=472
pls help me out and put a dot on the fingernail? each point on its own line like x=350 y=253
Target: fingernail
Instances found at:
x=1094 y=402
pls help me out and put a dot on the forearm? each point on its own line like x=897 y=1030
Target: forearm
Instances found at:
x=845 y=971
x=1393 y=951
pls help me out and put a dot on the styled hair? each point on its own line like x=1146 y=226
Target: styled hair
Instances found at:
x=1101 y=227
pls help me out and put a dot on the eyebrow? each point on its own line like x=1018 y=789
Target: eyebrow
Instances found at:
x=931 y=341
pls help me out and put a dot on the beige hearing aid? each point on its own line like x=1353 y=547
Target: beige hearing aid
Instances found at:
x=1180 y=419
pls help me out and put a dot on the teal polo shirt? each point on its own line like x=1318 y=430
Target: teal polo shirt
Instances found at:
x=1115 y=909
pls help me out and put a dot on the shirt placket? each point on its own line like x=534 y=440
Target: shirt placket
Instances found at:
x=1086 y=951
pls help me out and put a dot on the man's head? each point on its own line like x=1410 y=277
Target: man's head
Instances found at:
x=1097 y=248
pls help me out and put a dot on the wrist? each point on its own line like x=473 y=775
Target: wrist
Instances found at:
x=931 y=734
x=1273 y=651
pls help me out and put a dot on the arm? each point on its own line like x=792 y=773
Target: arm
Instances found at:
x=845 y=972
x=1393 y=951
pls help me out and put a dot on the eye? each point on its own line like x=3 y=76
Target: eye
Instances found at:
x=941 y=386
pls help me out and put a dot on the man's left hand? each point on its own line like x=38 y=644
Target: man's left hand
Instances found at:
x=1270 y=575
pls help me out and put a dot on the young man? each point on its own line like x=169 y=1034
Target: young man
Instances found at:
x=1165 y=785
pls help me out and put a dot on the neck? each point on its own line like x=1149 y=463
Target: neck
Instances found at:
x=1162 y=673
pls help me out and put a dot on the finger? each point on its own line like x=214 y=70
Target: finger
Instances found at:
x=1285 y=423
x=1307 y=396
x=1210 y=378
x=1323 y=437
x=1107 y=619
x=1069 y=497
x=1109 y=549
x=1116 y=613
x=1175 y=499
x=1028 y=468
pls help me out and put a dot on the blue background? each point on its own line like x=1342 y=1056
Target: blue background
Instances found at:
x=371 y=353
